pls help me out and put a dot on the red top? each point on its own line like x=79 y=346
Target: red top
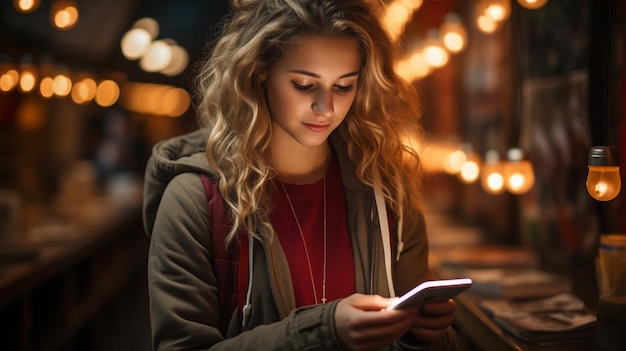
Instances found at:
x=308 y=203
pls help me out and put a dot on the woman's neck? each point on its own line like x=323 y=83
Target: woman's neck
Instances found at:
x=300 y=164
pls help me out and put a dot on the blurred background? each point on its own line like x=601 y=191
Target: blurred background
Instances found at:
x=515 y=93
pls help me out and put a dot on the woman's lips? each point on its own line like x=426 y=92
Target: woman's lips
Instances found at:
x=316 y=127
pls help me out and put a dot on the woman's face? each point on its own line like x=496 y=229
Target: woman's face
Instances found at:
x=311 y=89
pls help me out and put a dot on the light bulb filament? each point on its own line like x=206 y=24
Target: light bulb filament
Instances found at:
x=601 y=188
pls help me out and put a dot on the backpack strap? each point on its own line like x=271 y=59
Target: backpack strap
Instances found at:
x=230 y=263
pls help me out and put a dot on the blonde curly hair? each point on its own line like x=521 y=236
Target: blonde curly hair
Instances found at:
x=232 y=106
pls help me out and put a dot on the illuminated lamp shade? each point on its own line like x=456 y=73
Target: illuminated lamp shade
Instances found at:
x=63 y=14
x=148 y=24
x=178 y=62
x=46 y=87
x=84 y=91
x=454 y=161
x=158 y=57
x=532 y=4
x=26 y=6
x=453 y=33
x=519 y=176
x=497 y=10
x=175 y=102
x=470 y=169
x=28 y=74
x=434 y=52
x=603 y=179
x=107 y=93
x=135 y=43
x=492 y=174
x=61 y=85
x=486 y=24
x=9 y=79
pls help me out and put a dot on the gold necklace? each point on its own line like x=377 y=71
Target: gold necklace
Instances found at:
x=306 y=249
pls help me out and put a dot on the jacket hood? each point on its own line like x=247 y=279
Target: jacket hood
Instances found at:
x=170 y=157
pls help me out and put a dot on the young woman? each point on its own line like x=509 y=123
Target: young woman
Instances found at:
x=301 y=121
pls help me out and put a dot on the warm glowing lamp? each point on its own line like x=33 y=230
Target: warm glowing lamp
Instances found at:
x=491 y=174
x=158 y=57
x=28 y=74
x=26 y=6
x=486 y=24
x=532 y=4
x=453 y=33
x=434 y=51
x=107 y=93
x=603 y=180
x=64 y=14
x=9 y=78
x=135 y=43
x=519 y=176
x=470 y=169
x=497 y=10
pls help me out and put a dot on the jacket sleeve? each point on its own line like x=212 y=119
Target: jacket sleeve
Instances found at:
x=412 y=268
x=183 y=290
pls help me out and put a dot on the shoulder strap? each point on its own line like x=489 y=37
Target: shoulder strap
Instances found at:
x=230 y=264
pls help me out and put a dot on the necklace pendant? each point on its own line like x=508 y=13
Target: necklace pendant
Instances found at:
x=323 y=300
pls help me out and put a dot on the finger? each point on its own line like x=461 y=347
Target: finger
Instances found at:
x=439 y=308
x=368 y=302
x=427 y=335
x=360 y=329
x=433 y=322
x=381 y=333
x=360 y=319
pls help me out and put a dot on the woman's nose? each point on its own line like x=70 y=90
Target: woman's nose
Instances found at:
x=323 y=104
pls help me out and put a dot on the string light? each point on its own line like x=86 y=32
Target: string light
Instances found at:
x=470 y=170
x=26 y=6
x=453 y=33
x=64 y=14
x=519 y=176
x=491 y=173
x=532 y=4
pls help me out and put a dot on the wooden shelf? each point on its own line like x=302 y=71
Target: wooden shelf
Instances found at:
x=47 y=302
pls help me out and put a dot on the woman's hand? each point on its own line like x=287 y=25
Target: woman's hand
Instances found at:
x=432 y=320
x=361 y=323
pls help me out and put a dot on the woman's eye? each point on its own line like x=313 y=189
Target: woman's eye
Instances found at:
x=344 y=88
x=301 y=87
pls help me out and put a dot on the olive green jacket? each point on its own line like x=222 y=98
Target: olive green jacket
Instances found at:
x=182 y=285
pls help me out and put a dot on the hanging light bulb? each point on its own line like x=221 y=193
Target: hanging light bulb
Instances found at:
x=519 y=176
x=470 y=170
x=9 y=77
x=491 y=174
x=28 y=74
x=497 y=10
x=434 y=51
x=532 y=4
x=64 y=14
x=26 y=6
x=603 y=180
x=453 y=33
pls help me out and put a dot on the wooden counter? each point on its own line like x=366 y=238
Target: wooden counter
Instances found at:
x=47 y=301
x=479 y=333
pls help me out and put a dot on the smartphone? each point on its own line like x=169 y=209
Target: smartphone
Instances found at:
x=432 y=290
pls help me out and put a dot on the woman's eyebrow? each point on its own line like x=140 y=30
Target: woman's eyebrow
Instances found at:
x=314 y=75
